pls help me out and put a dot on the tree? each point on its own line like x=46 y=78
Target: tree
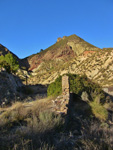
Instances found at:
x=9 y=62
x=41 y=50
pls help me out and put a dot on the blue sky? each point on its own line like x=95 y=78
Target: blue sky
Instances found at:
x=26 y=26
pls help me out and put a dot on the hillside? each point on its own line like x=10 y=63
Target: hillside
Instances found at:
x=64 y=49
x=68 y=55
x=4 y=51
x=71 y=55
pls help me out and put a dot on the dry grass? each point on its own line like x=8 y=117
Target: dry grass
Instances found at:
x=97 y=136
x=23 y=123
x=33 y=126
x=98 y=110
x=21 y=111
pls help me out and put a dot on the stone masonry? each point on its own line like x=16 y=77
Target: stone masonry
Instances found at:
x=65 y=92
x=61 y=102
x=65 y=88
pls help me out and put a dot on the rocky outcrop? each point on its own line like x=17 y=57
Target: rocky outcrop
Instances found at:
x=8 y=88
x=79 y=47
x=59 y=39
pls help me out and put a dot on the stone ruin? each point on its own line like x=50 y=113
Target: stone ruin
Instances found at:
x=61 y=102
x=59 y=39
x=65 y=88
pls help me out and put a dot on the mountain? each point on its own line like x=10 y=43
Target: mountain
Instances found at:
x=64 y=49
x=71 y=54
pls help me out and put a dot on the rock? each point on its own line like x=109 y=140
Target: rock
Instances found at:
x=85 y=96
x=8 y=87
x=59 y=39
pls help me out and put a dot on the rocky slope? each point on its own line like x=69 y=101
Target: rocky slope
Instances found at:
x=71 y=55
x=22 y=72
x=68 y=55
x=8 y=88
x=63 y=50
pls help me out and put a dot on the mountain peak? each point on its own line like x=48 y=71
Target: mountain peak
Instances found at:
x=71 y=37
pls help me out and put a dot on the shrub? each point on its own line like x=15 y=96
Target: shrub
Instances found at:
x=98 y=110
x=9 y=62
x=4 y=64
x=78 y=84
x=50 y=120
x=55 y=88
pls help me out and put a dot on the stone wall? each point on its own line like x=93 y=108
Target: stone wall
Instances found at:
x=65 y=92
x=65 y=88
x=61 y=102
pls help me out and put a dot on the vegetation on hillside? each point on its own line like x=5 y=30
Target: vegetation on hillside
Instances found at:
x=98 y=110
x=63 y=42
x=78 y=84
x=9 y=62
x=55 y=88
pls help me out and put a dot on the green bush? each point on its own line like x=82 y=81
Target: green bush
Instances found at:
x=4 y=64
x=55 y=88
x=78 y=84
x=50 y=120
x=9 y=62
